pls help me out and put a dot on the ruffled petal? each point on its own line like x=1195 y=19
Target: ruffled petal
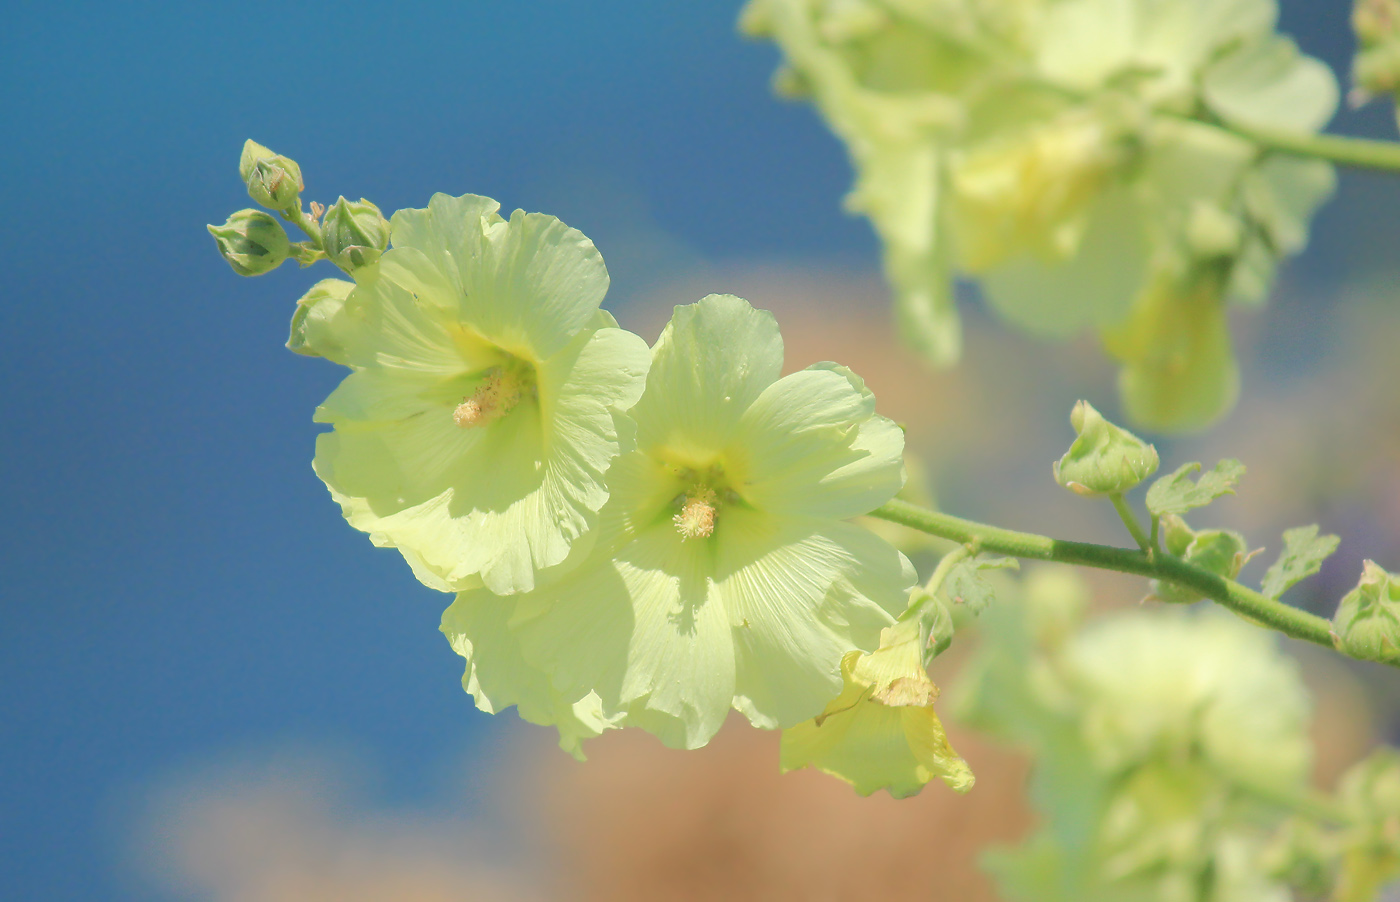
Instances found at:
x=801 y=594
x=813 y=446
x=497 y=675
x=710 y=364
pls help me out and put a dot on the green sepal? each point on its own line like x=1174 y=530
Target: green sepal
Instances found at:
x=1105 y=459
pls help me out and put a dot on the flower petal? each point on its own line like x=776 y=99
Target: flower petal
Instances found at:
x=528 y=284
x=497 y=675
x=815 y=447
x=801 y=593
x=711 y=362
x=502 y=502
x=645 y=630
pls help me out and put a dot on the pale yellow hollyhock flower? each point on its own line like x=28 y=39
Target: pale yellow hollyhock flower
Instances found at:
x=480 y=413
x=881 y=732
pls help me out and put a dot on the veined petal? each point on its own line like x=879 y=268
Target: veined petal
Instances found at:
x=801 y=593
x=383 y=324
x=502 y=502
x=497 y=675
x=814 y=446
x=875 y=746
x=711 y=362
x=645 y=630
x=528 y=284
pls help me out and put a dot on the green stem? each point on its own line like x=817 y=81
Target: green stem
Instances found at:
x=945 y=566
x=1359 y=153
x=1242 y=600
x=1130 y=520
x=302 y=220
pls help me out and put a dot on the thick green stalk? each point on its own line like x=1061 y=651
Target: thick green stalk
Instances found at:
x=1359 y=153
x=1242 y=600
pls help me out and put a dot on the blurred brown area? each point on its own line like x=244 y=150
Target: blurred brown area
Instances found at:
x=639 y=821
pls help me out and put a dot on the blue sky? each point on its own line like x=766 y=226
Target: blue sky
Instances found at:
x=175 y=582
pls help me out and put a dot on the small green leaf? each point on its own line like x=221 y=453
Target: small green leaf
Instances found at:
x=965 y=585
x=1303 y=553
x=1177 y=494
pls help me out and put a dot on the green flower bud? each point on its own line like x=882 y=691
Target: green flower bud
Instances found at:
x=1219 y=551
x=1367 y=623
x=272 y=179
x=252 y=242
x=1105 y=459
x=354 y=234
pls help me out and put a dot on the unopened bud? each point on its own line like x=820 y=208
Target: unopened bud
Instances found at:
x=1218 y=551
x=272 y=179
x=1105 y=459
x=313 y=324
x=252 y=242
x=354 y=234
x=1367 y=623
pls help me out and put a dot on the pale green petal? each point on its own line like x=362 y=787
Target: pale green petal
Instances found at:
x=815 y=447
x=645 y=630
x=502 y=502
x=528 y=284
x=1282 y=193
x=386 y=325
x=711 y=362
x=802 y=593
x=1093 y=288
x=874 y=746
x=1179 y=371
x=497 y=675
x=1269 y=84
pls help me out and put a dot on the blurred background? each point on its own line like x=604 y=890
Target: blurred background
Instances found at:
x=212 y=688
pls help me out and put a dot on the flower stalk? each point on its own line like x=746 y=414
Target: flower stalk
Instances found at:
x=1241 y=599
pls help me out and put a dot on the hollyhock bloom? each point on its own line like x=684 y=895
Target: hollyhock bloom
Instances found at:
x=479 y=419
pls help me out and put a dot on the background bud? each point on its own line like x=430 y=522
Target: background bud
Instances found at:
x=252 y=242
x=272 y=179
x=1367 y=623
x=354 y=234
x=1104 y=459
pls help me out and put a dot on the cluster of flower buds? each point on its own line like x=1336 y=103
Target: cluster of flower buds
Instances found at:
x=352 y=235
x=1376 y=69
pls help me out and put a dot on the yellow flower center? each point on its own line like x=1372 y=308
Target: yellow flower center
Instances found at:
x=494 y=398
x=697 y=517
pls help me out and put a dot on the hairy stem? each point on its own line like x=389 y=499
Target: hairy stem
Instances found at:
x=1130 y=520
x=1242 y=600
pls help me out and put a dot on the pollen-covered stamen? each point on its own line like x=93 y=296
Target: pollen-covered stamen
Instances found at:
x=697 y=517
x=492 y=400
